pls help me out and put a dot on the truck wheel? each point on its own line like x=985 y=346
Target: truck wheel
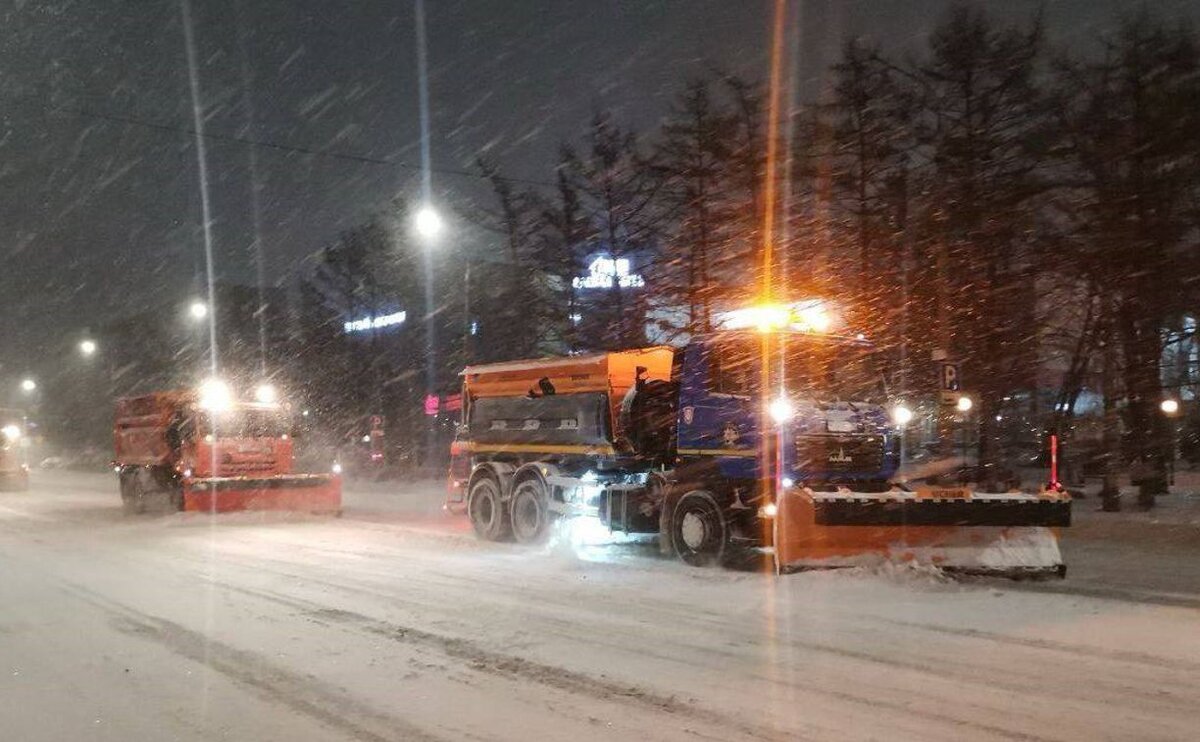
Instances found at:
x=176 y=498
x=698 y=529
x=486 y=510
x=530 y=512
x=133 y=495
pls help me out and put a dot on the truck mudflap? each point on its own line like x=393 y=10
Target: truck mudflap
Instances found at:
x=1012 y=534
x=315 y=493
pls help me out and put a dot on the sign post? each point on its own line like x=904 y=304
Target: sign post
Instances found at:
x=949 y=382
x=949 y=390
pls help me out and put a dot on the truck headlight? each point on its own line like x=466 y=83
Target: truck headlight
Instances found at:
x=266 y=394
x=215 y=395
x=781 y=410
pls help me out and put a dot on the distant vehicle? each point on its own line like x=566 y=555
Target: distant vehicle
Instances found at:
x=14 y=472
x=202 y=450
x=52 y=462
x=774 y=436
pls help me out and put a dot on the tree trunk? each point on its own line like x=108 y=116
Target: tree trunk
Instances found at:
x=1110 y=490
x=1143 y=387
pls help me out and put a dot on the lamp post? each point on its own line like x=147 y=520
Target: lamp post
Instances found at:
x=964 y=406
x=428 y=225
x=1170 y=408
x=902 y=415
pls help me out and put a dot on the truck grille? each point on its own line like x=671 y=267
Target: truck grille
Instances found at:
x=831 y=453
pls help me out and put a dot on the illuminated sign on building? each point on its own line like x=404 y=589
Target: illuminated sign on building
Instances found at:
x=604 y=271
x=374 y=323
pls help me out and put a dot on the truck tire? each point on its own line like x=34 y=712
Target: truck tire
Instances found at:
x=699 y=531
x=531 y=516
x=489 y=516
x=175 y=498
x=133 y=493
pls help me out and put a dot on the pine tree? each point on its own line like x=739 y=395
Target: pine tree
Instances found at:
x=694 y=159
x=618 y=192
x=1133 y=128
x=984 y=127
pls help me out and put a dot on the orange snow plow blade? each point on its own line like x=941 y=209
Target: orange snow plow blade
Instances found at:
x=1012 y=534
x=309 y=493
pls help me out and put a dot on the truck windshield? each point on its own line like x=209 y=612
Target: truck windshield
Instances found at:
x=819 y=368
x=827 y=370
x=249 y=423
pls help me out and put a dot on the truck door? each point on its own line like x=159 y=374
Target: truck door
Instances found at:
x=718 y=415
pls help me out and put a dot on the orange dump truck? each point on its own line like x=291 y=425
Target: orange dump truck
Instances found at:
x=198 y=450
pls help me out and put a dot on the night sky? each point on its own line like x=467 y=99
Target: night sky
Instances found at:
x=99 y=215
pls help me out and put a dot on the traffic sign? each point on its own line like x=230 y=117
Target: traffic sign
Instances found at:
x=949 y=382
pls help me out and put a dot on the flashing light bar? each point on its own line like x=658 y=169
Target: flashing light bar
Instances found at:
x=803 y=317
x=374 y=323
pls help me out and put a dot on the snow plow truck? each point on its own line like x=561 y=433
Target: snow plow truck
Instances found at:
x=773 y=438
x=14 y=472
x=201 y=450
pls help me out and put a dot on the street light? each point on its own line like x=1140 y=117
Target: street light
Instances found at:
x=964 y=406
x=87 y=347
x=198 y=310
x=901 y=415
x=28 y=386
x=1169 y=406
x=427 y=222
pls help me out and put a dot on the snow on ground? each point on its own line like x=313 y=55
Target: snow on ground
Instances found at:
x=393 y=623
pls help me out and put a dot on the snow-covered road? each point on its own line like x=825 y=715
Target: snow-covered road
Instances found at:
x=393 y=623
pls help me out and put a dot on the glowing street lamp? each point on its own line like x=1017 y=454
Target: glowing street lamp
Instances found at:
x=87 y=348
x=28 y=386
x=198 y=310
x=964 y=404
x=1169 y=406
x=428 y=223
x=901 y=415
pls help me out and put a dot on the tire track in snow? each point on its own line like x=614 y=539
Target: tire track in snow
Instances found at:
x=1124 y=595
x=300 y=693
x=941 y=668
x=511 y=666
x=1078 y=650
x=581 y=683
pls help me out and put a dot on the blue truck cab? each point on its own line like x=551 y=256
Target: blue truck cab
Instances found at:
x=822 y=409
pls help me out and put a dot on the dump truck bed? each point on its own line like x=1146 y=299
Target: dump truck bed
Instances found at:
x=140 y=429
